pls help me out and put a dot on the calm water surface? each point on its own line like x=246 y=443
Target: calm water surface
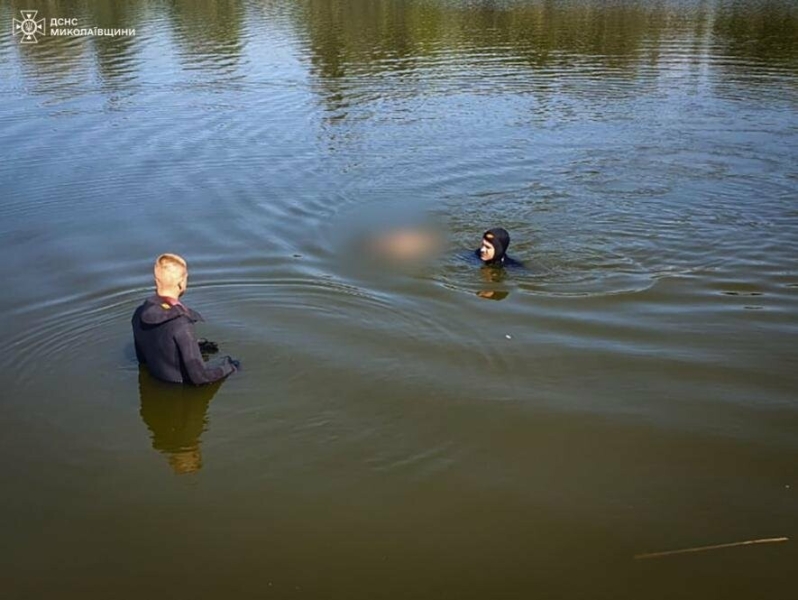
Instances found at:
x=430 y=431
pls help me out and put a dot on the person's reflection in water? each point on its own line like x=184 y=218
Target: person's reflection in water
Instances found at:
x=493 y=294
x=176 y=415
x=492 y=276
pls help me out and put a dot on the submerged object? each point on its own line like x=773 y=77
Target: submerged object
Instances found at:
x=207 y=346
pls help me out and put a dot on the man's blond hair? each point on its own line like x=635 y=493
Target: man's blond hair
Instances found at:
x=169 y=269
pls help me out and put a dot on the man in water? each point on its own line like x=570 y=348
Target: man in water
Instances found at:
x=163 y=330
x=493 y=250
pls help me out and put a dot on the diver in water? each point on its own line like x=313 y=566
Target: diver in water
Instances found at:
x=493 y=251
x=163 y=331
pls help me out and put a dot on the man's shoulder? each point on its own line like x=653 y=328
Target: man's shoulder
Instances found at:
x=140 y=309
x=149 y=300
x=155 y=311
x=513 y=263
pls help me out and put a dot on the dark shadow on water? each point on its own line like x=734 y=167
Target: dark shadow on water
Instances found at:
x=176 y=416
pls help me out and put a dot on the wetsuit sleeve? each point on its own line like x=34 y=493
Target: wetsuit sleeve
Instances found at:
x=196 y=369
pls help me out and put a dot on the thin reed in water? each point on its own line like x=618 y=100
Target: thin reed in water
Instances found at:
x=714 y=547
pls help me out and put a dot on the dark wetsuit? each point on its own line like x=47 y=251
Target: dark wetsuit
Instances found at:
x=165 y=341
x=505 y=261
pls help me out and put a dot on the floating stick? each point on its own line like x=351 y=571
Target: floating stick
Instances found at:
x=715 y=547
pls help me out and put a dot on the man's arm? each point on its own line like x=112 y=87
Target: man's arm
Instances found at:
x=196 y=369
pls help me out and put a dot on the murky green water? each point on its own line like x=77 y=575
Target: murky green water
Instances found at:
x=398 y=432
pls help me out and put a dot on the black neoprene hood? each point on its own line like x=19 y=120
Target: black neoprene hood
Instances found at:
x=500 y=240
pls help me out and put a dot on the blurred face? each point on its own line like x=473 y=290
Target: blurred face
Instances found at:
x=406 y=244
x=486 y=251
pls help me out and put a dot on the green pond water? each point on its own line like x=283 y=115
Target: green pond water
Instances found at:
x=428 y=430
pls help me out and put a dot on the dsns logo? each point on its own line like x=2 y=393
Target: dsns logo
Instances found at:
x=29 y=27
